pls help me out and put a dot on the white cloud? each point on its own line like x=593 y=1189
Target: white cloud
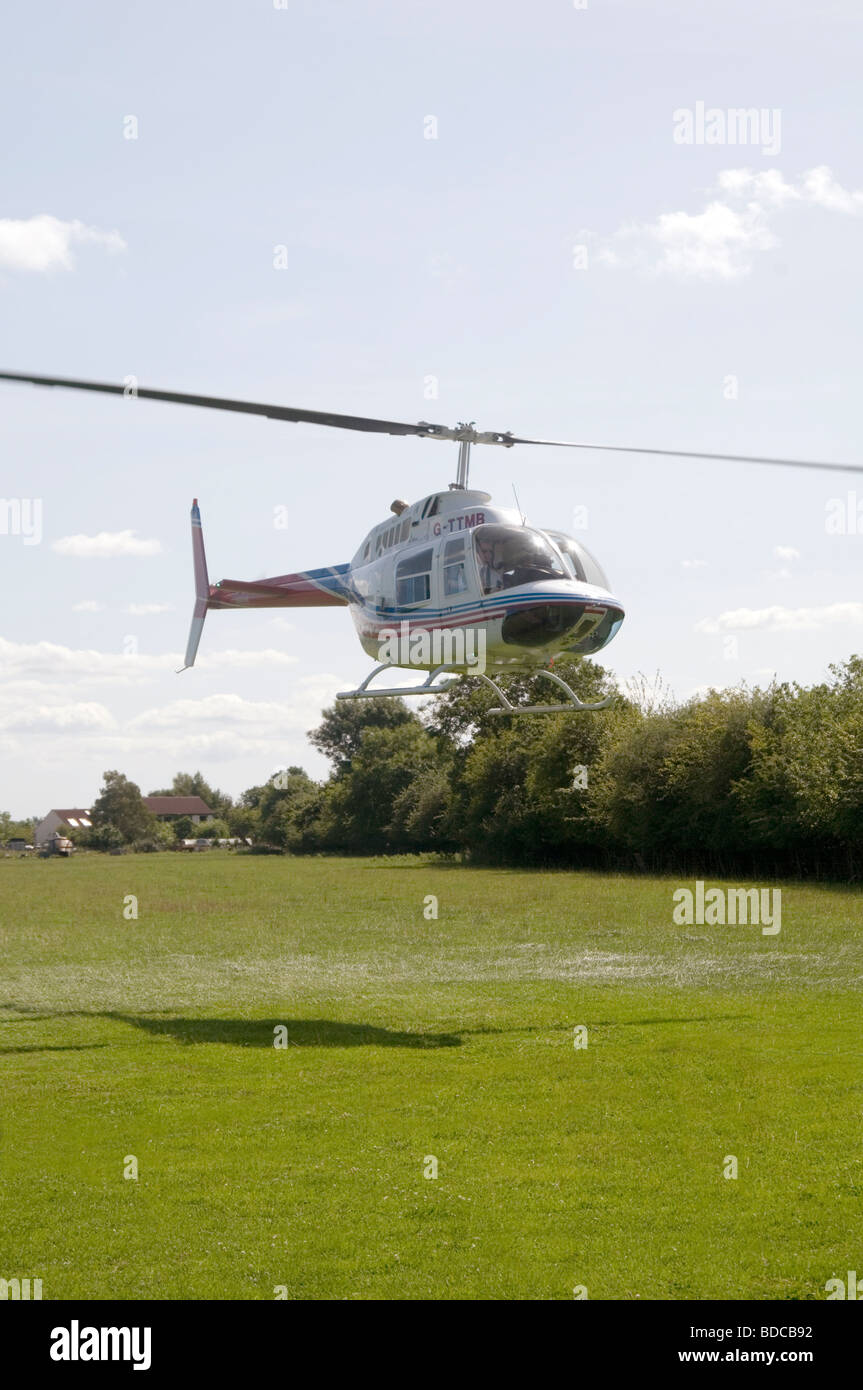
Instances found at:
x=68 y=740
x=724 y=239
x=694 y=564
x=141 y=610
x=230 y=660
x=41 y=659
x=818 y=187
x=786 y=552
x=718 y=243
x=107 y=545
x=45 y=243
x=88 y=605
x=224 y=709
x=23 y=660
x=33 y=718
x=779 y=619
x=267 y=717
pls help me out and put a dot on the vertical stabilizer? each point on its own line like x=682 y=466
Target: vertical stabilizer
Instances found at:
x=202 y=588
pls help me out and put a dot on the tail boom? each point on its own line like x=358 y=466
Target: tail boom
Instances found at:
x=321 y=588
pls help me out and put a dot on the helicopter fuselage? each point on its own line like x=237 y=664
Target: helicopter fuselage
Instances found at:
x=456 y=578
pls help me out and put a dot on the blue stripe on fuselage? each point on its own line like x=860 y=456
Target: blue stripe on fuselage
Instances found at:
x=505 y=599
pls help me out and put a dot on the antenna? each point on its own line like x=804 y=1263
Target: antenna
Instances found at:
x=518 y=506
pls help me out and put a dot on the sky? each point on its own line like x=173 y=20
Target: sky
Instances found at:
x=545 y=218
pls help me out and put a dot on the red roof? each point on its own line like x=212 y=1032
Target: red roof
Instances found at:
x=177 y=806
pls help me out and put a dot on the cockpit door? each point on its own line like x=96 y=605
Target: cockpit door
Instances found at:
x=457 y=572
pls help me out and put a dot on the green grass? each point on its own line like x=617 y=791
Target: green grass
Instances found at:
x=409 y=1037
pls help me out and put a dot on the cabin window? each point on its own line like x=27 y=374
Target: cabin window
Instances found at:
x=413 y=578
x=406 y=529
x=510 y=556
x=433 y=509
x=579 y=560
x=454 y=574
x=367 y=550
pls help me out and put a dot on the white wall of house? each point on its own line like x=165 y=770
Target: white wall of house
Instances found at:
x=47 y=827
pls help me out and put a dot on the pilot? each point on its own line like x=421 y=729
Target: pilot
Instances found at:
x=490 y=573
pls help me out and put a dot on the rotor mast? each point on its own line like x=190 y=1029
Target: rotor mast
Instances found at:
x=463 y=465
x=466 y=435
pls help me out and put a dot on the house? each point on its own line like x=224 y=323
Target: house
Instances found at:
x=78 y=820
x=165 y=808
x=170 y=808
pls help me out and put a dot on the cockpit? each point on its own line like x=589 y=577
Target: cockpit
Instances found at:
x=508 y=556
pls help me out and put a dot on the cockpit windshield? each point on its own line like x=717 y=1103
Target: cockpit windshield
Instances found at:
x=508 y=556
x=579 y=560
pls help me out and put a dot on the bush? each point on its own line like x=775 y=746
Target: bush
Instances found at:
x=105 y=837
x=209 y=830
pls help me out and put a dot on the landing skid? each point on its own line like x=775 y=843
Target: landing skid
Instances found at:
x=362 y=692
x=573 y=702
x=506 y=706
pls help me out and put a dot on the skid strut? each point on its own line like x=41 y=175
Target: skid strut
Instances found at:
x=362 y=692
x=573 y=702
x=506 y=706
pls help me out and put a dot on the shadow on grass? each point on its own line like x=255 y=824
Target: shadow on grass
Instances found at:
x=302 y=1032
x=695 y=1018
x=238 y=1032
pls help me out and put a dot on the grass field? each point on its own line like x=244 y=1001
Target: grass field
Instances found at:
x=302 y=1167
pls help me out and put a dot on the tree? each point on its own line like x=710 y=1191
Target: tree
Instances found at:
x=244 y=817
x=341 y=731
x=423 y=811
x=288 y=809
x=361 y=812
x=14 y=829
x=105 y=837
x=119 y=804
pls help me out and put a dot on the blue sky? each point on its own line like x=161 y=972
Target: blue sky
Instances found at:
x=410 y=258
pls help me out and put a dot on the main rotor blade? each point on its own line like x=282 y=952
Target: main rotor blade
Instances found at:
x=395 y=427
x=690 y=454
x=272 y=412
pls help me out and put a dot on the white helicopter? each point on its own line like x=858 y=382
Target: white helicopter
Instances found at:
x=452 y=584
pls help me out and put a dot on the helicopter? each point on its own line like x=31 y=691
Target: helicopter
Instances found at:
x=452 y=584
